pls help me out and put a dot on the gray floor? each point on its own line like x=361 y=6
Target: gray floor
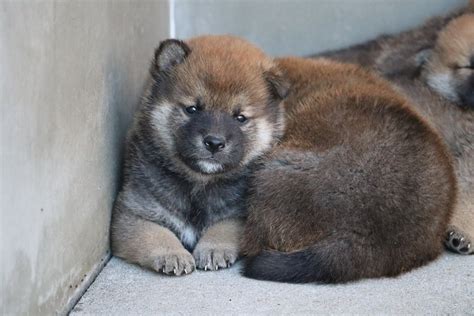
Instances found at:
x=443 y=287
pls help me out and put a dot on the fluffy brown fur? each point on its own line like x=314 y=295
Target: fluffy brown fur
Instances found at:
x=359 y=187
x=442 y=94
x=432 y=65
x=456 y=126
x=212 y=108
x=450 y=68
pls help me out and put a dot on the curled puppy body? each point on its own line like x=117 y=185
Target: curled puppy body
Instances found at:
x=439 y=56
x=212 y=108
x=392 y=55
x=359 y=187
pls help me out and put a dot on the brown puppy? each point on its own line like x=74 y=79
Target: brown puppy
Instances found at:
x=392 y=55
x=432 y=65
x=456 y=126
x=359 y=186
x=213 y=107
x=444 y=96
x=449 y=70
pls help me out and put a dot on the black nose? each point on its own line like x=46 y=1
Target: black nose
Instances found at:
x=467 y=93
x=468 y=100
x=213 y=143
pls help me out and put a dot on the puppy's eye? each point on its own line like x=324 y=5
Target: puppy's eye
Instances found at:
x=240 y=118
x=191 y=109
x=470 y=66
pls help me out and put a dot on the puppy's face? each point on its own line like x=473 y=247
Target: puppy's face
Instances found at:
x=215 y=103
x=449 y=69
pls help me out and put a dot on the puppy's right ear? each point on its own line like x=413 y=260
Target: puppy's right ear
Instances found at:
x=170 y=53
x=277 y=83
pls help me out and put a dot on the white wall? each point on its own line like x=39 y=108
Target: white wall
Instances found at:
x=304 y=27
x=71 y=73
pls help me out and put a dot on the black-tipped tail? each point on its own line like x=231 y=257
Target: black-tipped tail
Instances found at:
x=294 y=267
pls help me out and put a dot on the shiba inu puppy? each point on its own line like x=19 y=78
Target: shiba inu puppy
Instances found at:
x=450 y=69
x=359 y=186
x=395 y=54
x=212 y=108
x=432 y=65
x=443 y=94
x=456 y=126
x=390 y=52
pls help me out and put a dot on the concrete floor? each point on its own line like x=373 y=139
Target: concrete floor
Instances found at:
x=443 y=287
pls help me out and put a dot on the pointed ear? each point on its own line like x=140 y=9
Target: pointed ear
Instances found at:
x=422 y=56
x=170 y=53
x=277 y=83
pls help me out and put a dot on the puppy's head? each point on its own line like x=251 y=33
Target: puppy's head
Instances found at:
x=449 y=69
x=215 y=103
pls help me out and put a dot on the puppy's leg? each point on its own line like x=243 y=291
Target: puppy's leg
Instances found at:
x=460 y=234
x=150 y=245
x=219 y=246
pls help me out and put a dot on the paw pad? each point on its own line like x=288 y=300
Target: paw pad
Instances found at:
x=457 y=242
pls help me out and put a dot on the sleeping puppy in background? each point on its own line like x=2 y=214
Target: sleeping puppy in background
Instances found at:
x=433 y=67
x=213 y=107
x=360 y=186
x=444 y=95
x=450 y=68
x=393 y=54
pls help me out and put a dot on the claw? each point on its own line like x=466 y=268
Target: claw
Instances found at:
x=174 y=271
x=205 y=267
x=217 y=267
x=451 y=233
x=462 y=239
x=185 y=271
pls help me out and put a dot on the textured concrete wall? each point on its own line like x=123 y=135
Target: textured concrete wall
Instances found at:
x=70 y=75
x=303 y=27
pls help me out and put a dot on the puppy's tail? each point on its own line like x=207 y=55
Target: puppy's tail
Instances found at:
x=314 y=264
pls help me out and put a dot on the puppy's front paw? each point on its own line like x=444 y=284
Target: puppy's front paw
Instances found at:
x=214 y=257
x=458 y=242
x=174 y=263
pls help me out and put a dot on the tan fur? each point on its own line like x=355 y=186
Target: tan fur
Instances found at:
x=147 y=241
x=218 y=247
x=447 y=68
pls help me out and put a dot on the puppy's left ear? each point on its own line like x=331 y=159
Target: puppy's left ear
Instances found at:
x=422 y=56
x=170 y=53
x=277 y=83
